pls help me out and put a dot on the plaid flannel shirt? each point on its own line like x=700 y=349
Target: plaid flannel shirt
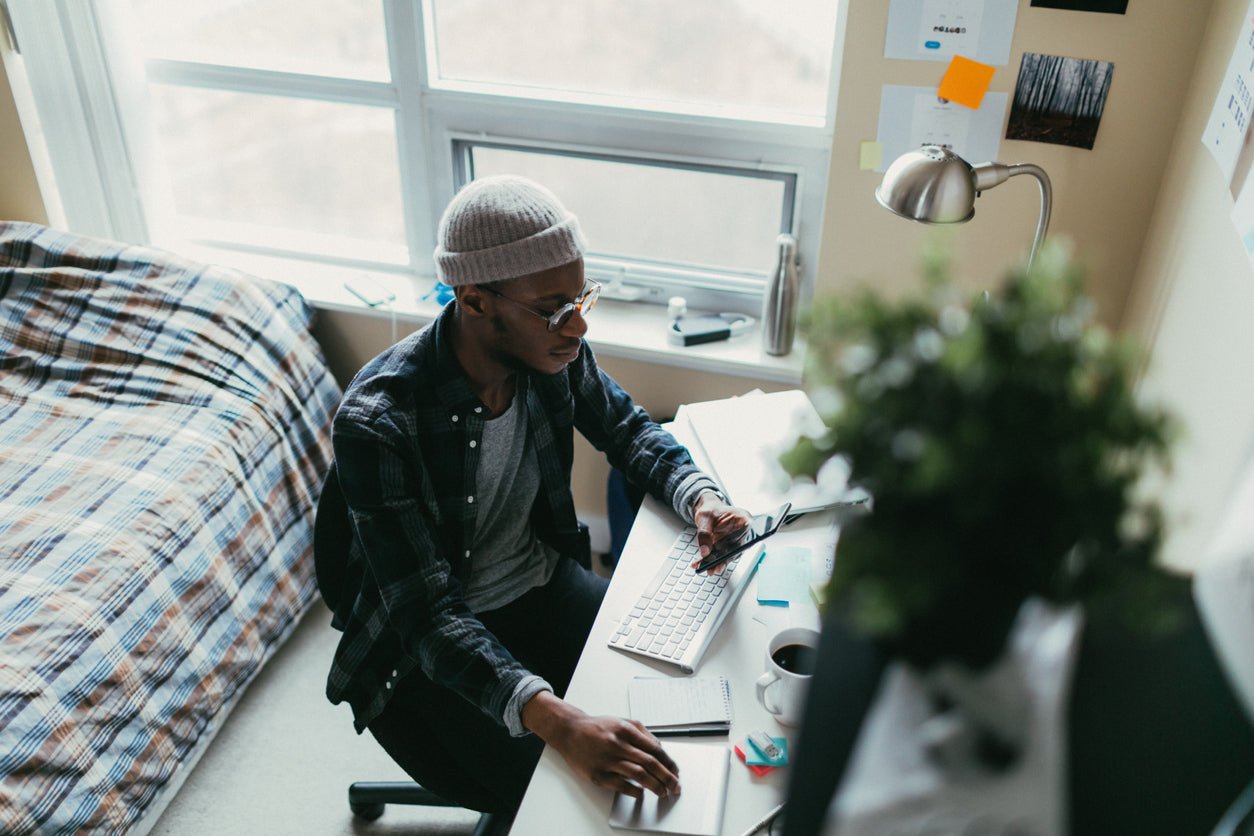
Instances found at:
x=407 y=441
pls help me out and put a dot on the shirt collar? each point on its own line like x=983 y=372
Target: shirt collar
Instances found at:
x=451 y=385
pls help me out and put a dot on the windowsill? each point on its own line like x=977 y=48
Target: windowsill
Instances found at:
x=633 y=331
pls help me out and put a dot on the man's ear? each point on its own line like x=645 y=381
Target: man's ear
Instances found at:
x=471 y=299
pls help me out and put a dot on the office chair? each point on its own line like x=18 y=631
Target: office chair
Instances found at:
x=367 y=800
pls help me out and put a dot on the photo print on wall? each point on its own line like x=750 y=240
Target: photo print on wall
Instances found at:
x=1059 y=100
x=1114 y=7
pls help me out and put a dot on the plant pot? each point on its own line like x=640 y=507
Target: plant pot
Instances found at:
x=969 y=627
x=951 y=749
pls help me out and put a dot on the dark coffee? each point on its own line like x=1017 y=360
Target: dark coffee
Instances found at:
x=796 y=658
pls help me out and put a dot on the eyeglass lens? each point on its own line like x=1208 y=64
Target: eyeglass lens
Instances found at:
x=583 y=304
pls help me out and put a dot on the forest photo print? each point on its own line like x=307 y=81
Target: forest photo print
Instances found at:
x=1059 y=100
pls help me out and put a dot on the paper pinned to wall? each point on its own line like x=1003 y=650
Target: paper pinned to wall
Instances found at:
x=1227 y=135
x=914 y=116
x=937 y=30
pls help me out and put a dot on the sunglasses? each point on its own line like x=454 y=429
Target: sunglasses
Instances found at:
x=582 y=303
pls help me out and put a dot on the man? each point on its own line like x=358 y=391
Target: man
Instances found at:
x=462 y=609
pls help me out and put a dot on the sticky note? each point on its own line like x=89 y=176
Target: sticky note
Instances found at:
x=966 y=82
x=870 y=156
x=757 y=770
x=784 y=576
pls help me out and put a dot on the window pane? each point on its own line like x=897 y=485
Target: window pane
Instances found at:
x=737 y=53
x=343 y=38
x=283 y=163
x=628 y=210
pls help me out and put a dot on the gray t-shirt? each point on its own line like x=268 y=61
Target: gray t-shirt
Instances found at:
x=509 y=558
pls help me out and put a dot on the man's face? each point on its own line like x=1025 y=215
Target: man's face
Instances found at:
x=522 y=339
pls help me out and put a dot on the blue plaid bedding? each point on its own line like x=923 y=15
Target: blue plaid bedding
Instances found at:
x=164 y=429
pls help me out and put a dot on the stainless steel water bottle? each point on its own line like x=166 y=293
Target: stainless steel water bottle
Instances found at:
x=779 y=310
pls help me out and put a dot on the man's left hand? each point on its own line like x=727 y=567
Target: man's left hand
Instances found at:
x=715 y=519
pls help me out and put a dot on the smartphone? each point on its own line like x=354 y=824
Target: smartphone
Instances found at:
x=758 y=529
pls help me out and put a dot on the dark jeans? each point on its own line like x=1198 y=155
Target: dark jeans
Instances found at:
x=455 y=750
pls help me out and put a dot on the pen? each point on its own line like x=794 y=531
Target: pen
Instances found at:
x=689 y=732
x=764 y=821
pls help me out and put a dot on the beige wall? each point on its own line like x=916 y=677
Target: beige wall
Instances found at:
x=1194 y=304
x=1103 y=198
x=19 y=190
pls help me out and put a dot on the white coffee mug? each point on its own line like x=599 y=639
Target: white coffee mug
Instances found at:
x=790 y=659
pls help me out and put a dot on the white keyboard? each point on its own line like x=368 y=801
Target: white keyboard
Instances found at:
x=679 y=612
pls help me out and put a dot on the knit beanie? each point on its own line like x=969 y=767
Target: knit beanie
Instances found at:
x=504 y=227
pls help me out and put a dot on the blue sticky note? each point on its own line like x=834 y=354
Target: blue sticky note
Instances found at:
x=755 y=758
x=784 y=576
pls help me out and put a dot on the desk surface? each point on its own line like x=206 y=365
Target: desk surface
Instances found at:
x=559 y=802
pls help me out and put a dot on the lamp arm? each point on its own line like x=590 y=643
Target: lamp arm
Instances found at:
x=988 y=175
x=1047 y=200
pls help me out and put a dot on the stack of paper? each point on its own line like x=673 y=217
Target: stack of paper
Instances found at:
x=738 y=441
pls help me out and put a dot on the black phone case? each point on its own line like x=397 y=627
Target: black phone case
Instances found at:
x=771 y=523
x=695 y=330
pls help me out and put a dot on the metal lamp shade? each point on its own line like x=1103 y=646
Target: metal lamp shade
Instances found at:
x=933 y=185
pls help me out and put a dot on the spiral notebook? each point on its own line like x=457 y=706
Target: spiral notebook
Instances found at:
x=670 y=705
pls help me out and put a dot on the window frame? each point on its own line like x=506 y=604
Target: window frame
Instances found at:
x=90 y=103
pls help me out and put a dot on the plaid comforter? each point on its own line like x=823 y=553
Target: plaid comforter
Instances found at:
x=164 y=429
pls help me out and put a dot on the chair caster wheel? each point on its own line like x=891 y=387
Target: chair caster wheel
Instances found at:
x=369 y=812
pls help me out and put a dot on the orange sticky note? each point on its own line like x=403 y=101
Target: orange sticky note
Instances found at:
x=966 y=82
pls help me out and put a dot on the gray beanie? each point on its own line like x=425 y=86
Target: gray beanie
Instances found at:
x=501 y=228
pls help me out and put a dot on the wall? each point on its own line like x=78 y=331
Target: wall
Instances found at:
x=1103 y=198
x=1194 y=306
x=19 y=189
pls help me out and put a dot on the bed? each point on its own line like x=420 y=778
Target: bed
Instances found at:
x=164 y=431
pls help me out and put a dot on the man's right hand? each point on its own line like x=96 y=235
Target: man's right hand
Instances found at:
x=608 y=751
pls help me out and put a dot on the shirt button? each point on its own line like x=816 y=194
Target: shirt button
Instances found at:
x=474 y=443
x=387 y=685
x=478 y=409
x=467 y=552
x=470 y=499
x=454 y=419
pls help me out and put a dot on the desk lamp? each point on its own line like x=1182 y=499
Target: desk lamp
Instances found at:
x=934 y=185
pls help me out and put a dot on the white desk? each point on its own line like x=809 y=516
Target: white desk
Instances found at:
x=558 y=801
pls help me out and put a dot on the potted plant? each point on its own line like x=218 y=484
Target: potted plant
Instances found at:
x=1002 y=446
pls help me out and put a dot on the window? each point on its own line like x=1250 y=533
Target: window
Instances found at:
x=685 y=136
